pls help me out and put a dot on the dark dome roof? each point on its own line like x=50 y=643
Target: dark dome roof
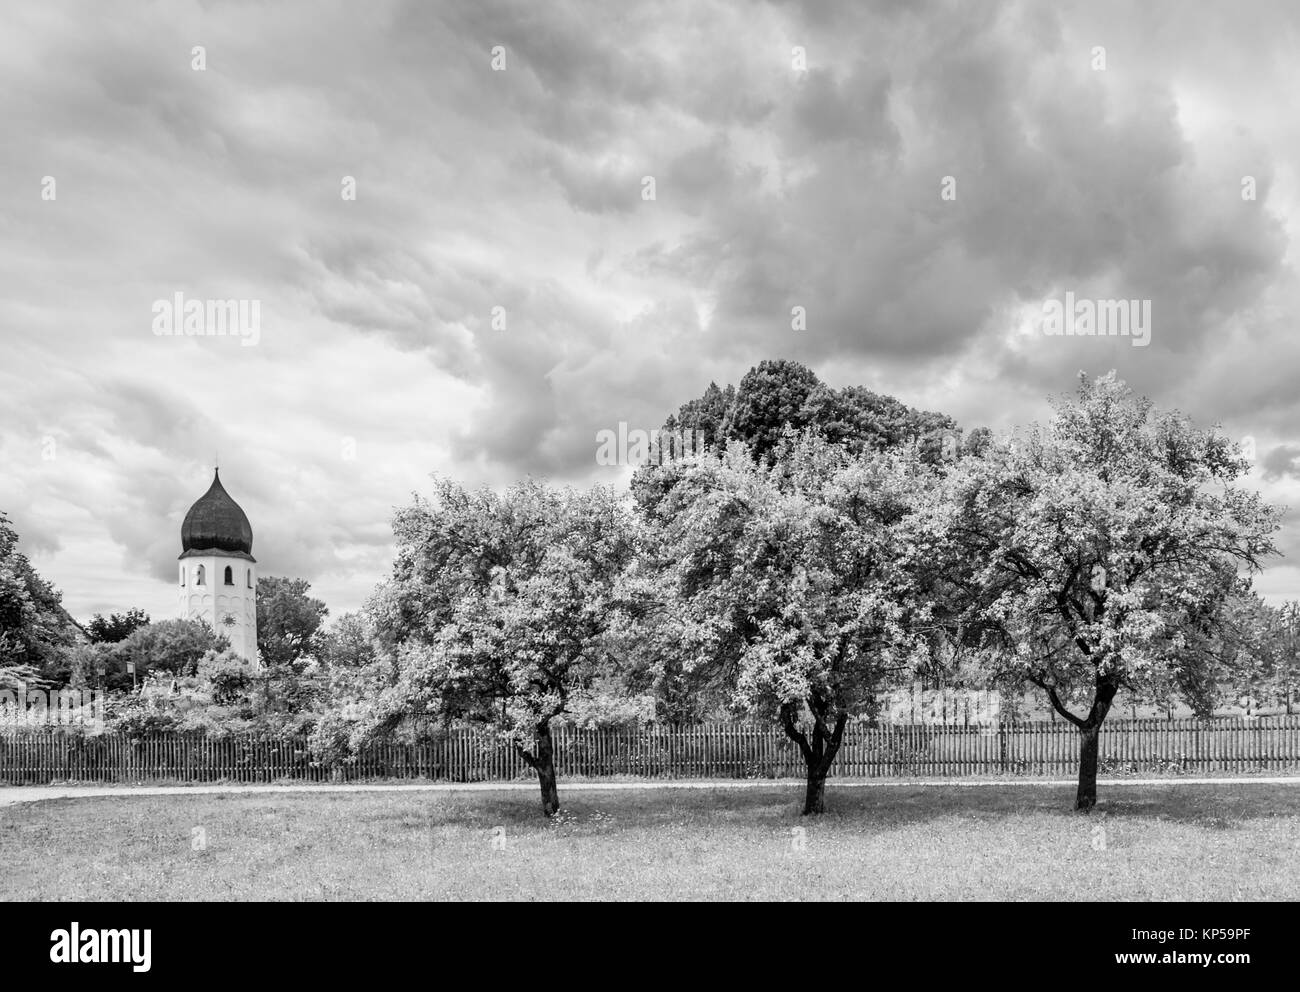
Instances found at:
x=217 y=523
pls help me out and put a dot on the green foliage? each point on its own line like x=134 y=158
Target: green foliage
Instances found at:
x=141 y=715
x=1279 y=675
x=351 y=670
x=1256 y=653
x=705 y=416
x=349 y=645
x=606 y=702
x=774 y=587
x=225 y=695
x=287 y=619
x=778 y=395
x=1098 y=553
x=34 y=627
x=78 y=665
x=172 y=647
x=117 y=627
x=498 y=606
x=331 y=738
x=866 y=422
x=770 y=397
x=227 y=675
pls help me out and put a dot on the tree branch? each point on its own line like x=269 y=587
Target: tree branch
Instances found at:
x=837 y=736
x=794 y=733
x=1056 y=700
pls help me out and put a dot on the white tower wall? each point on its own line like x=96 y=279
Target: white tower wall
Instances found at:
x=228 y=609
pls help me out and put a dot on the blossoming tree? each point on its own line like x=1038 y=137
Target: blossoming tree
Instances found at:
x=1099 y=553
x=781 y=583
x=497 y=610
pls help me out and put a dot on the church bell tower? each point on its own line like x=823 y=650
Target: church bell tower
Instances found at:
x=218 y=573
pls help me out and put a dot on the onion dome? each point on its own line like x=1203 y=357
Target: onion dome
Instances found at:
x=216 y=525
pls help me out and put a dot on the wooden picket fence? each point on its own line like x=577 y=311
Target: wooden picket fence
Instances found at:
x=723 y=751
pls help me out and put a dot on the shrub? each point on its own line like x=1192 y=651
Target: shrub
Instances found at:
x=227 y=676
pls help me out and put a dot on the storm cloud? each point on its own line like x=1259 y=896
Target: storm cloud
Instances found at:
x=501 y=288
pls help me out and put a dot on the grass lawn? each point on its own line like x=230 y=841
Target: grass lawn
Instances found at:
x=1236 y=841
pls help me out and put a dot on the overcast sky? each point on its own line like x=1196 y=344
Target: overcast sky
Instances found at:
x=775 y=187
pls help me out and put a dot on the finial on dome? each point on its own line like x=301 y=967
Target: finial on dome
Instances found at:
x=216 y=523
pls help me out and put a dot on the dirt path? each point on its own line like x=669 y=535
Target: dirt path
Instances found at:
x=12 y=795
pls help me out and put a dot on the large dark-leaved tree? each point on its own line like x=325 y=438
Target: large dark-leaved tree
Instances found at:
x=35 y=630
x=115 y=627
x=780 y=394
x=165 y=646
x=287 y=619
x=702 y=419
x=771 y=397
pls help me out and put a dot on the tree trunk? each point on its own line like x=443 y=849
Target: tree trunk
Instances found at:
x=817 y=754
x=546 y=769
x=814 y=803
x=1089 y=739
x=543 y=762
x=1090 y=743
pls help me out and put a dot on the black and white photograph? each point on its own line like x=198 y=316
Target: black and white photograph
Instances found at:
x=745 y=451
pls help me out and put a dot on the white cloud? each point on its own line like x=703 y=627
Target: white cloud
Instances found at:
x=522 y=190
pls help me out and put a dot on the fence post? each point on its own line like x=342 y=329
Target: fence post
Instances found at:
x=654 y=751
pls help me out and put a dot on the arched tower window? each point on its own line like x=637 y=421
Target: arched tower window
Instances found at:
x=250 y=577
x=182 y=576
x=199 y=576
x=230 y=576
